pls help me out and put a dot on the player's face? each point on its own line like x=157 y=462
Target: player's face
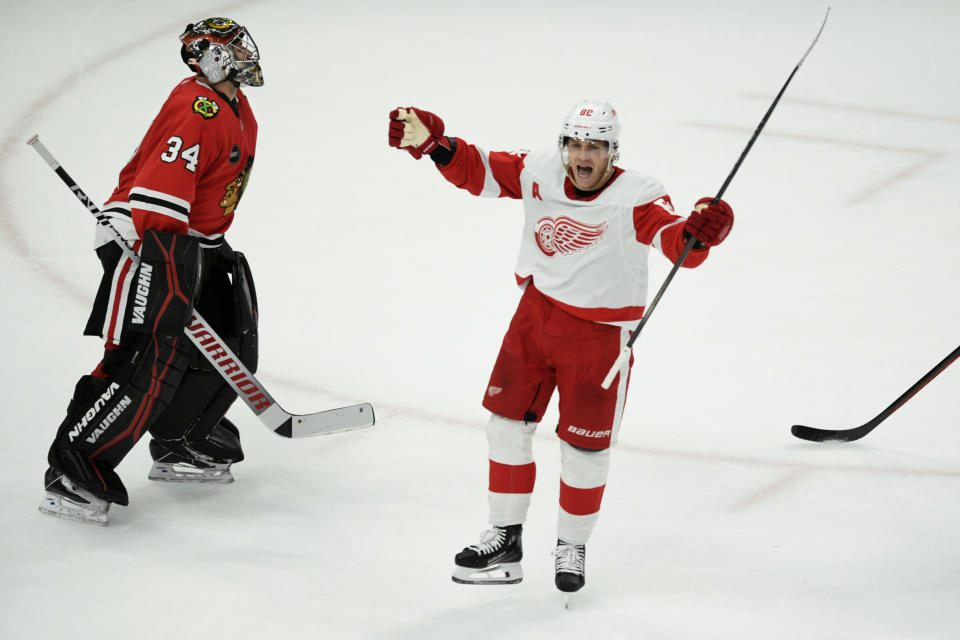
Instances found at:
x=240 y=53
x=588 y=163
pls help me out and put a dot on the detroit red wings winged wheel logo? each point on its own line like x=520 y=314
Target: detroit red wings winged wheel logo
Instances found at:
x=565 y=235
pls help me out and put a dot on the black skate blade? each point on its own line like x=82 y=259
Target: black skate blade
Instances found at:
x=504 y=573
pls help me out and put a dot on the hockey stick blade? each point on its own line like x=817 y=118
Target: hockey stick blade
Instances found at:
x=253 y=393
x=357 y=416
x=815 y=434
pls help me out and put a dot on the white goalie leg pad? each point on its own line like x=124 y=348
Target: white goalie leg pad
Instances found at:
x=502 y=573
x=187 y=473
x=510 y=442
x=586 y=470
x=86 y=507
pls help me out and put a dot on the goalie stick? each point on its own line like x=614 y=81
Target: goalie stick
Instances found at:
x=815 y=434
x=625 y=352
x=228 y=365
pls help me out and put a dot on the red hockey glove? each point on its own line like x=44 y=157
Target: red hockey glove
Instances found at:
x=415 y=130
x=710 y=223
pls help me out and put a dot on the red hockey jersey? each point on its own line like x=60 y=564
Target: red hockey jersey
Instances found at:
x=191 y=168
x=187 y=176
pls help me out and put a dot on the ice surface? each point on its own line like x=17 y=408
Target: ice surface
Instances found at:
x=379 y=282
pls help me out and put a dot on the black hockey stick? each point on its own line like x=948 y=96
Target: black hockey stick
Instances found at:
x=625 y=352
x=849 y=435
x=216 y=351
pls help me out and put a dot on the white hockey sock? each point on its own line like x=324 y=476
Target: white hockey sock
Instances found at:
x=512 y=469
x=583 y=477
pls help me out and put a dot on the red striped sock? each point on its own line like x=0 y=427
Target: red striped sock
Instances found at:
x=510 y=478
x=580 y=502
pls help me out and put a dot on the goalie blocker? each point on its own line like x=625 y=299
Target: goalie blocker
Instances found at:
x=154 y=379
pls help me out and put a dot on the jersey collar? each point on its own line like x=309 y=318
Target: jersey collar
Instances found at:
x=233 y=104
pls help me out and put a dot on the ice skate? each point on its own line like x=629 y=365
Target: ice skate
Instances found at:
x=179 y=464
x=570 y=568
x=63 y=499
x=494 y=560
x=170 y=471
x=203 y=461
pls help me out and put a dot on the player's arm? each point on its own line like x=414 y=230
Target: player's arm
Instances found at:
x=179 y=148
x=493 y=174
x=658 y=225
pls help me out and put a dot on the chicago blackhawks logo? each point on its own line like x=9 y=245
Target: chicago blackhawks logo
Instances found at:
x=220 y=24
x=566 y=236
x=205 y=107
x=234 y=189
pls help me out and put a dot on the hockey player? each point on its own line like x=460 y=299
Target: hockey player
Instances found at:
x=175 y=199
x=583 y=269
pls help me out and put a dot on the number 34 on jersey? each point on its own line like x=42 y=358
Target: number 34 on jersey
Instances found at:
x=193 y=165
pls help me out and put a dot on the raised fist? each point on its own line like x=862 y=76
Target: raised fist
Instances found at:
x=415 y=130
x=710 y=223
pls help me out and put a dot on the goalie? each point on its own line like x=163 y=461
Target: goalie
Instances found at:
x=174 y=201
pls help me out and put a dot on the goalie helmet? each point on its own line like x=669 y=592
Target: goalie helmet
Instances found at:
x=591 y=120
x=220 y=49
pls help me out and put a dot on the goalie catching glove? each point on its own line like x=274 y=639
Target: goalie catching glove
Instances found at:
x=416 y=131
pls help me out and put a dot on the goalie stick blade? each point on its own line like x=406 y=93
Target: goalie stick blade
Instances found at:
x=814 y=434
x=356 y=416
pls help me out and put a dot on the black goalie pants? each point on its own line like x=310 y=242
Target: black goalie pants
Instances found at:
x=154 y=383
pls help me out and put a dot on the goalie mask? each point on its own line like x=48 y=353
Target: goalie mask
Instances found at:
x=590 y=120
x=222 y=50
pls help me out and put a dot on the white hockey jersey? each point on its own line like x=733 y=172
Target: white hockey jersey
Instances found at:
x=587 y=253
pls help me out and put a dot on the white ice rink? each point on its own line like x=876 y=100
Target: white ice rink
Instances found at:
x=380 y=282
